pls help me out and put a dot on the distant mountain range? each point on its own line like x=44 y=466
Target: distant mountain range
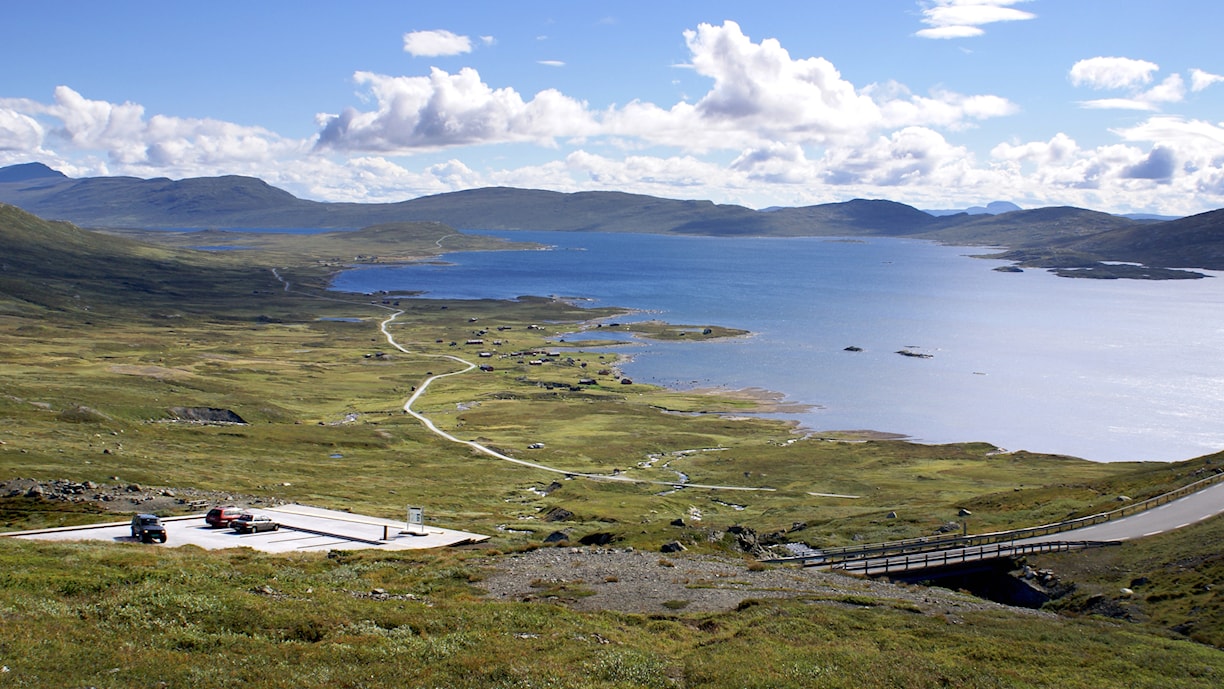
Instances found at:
x=1078 y=241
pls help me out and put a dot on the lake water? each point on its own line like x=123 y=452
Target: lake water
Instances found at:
x=1106 y=370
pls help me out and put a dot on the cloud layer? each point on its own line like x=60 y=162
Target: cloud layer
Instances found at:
x=769 y=129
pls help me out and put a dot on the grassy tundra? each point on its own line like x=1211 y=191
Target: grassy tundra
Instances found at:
x=101 y=336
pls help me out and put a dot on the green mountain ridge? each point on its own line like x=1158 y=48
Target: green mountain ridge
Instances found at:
x=32 y=245
x=1042 y=237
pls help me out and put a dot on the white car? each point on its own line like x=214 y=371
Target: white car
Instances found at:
x=253 y=523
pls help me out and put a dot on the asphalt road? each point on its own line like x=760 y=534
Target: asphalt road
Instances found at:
x=1182 y=512
x=1177 y=514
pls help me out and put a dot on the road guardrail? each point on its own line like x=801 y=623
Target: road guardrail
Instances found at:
x=833 y=556
x=943 y=558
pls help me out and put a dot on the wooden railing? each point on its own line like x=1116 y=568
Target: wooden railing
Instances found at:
x=833 y=556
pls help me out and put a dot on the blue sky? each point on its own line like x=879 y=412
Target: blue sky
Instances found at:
x=1116 y=105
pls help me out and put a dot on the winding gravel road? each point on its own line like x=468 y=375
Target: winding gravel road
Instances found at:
x=468 y=366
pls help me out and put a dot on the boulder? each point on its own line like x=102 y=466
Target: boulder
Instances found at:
x=205 y=415
x=558 y=514
x=672 y=547
x=82 y=414
x=598 y=538
x=745 y=538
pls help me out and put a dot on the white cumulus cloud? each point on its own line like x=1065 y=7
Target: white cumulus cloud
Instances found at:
x=436 y=43
x=964 y=18
x=1200 y=80
x=1126 y=73
x=1112 y=72
x=1059 y=149
x=443 y=109
x=19 y=132
x=909 y=156
x=761 y=95
x=760 y=87
x=1181 y=134
x=135 y=144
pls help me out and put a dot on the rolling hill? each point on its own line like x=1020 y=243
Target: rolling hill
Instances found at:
x=58 y=266
x=1045 y=237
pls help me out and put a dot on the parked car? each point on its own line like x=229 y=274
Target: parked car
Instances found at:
x=253 y=523
x=148 y=528
x=219 y=517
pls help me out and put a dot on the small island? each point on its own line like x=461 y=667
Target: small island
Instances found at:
x=660 y=330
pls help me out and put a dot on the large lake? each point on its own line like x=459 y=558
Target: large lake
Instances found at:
x=1106 y=370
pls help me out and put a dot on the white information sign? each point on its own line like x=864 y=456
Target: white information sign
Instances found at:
x=416 y=520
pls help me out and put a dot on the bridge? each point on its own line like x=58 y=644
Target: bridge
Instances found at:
x=1176 y=509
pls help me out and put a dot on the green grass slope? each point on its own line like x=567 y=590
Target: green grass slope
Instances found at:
x=61 y=266
x=127 y=616
x=1170 y=581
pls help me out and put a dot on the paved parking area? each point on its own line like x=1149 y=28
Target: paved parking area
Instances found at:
x=302 y=529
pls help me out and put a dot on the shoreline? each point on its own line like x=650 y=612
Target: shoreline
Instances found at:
x=764 y=400
x=1056 y=437
x=774 y=402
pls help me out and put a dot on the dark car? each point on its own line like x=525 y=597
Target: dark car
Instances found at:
x=148 y=528
x=218 y=517
x=253 y=523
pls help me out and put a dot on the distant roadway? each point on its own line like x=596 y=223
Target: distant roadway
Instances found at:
x=1184 y=511
x=468 y=366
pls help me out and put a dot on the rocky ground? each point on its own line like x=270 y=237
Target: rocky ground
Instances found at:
x=627 y=580
x=126 y=497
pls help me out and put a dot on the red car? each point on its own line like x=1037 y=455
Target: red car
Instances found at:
x=219 y=517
